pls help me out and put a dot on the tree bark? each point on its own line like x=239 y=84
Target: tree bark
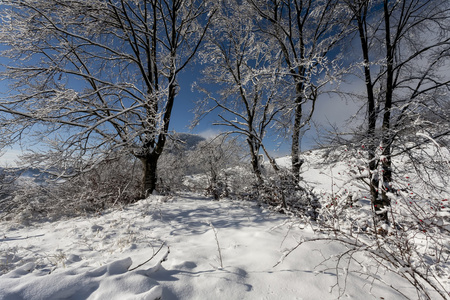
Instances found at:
x=254 y=149
x=295 y=147
x=386 y=141
x=149 y=175
x=377 y=203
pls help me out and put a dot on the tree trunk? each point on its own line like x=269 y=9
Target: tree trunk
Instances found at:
x=377 y=203
x=154 y=147
x=386 y=141
x=149 y=178
x=295 y=148
x=254 y=149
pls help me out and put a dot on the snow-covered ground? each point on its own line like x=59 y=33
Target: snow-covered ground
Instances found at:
x=90 y=258
x=187 y=247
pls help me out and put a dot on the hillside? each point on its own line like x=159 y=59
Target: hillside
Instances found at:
x=191 y=247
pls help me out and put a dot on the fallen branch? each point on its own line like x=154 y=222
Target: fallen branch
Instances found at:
x=217 y=242
x=154 y=254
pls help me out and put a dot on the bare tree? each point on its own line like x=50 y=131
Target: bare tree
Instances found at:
x=306 y=33
x=92 y=78
x=404 y=45
x=216 y=159
x=245 y=66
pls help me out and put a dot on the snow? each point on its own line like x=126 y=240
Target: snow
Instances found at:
x=168 y=248
x=89 y=258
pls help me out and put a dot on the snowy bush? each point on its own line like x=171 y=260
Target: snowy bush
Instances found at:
x=110 y=183
x=414 y=243
x=209 y=167
x=172 y=170
x=283 y=194
x=7 y=180
x=175 y=163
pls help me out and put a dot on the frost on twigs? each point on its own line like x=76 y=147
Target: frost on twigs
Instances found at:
x=414 y=244
x=38 y=194
x=218 y=245
x=283 y=194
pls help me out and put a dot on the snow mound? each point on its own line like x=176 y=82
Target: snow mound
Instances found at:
x=112 y=281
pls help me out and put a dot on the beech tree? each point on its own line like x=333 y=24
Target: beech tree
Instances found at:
x=95 y=78
x=305 y=32
x=404 y=46
x=246 y=70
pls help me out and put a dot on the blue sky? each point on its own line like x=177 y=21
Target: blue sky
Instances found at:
x=329 y=109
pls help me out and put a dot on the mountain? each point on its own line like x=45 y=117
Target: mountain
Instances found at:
x=182 y=142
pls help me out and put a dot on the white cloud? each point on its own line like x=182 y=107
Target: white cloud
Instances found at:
x=209 y=133
x=334 y=109
x=9 y=157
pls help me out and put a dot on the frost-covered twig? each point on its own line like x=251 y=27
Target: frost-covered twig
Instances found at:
x=218 y=245
x=164 y=258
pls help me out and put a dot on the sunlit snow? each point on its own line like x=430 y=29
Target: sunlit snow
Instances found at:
x=106 y=256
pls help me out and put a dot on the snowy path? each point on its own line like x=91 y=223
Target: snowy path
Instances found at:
x=89 y=258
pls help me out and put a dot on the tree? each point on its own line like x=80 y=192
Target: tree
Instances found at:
x=306 y=33
x=175 y=164
x=246 y=68
x=93 y=78
x=216 y=159
x=404 y=45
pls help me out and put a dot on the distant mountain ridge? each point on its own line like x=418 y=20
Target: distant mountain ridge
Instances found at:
x=183 y=141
